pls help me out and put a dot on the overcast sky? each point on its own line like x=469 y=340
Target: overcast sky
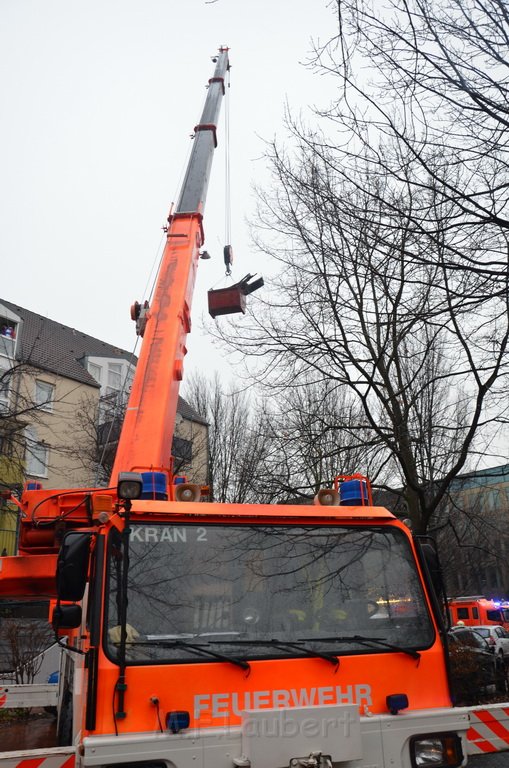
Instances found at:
x=99 y=100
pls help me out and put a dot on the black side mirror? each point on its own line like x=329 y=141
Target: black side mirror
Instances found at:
x=430 y=557
x=66 y=617
x=72 y=566
x=430 y=563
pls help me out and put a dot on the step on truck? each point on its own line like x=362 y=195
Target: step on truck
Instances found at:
x=229 y=635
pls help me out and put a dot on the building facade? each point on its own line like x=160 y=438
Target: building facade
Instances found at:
x=473 y=533
x=471 y=528
x=62 y=399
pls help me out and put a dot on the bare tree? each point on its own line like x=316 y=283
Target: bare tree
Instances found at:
x=101 y=424
x=389 y=219
x=420 y=351
x=19 y=411
x=237 y=437
x=423 y=97
x=39 y=391
x=25 y=641
x=310 y=440
x=471 y=528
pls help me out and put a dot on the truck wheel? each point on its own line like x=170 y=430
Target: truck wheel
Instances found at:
x=64 y=727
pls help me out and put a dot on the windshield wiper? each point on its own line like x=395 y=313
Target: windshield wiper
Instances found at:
x=190 y=636
x=283 y=644
x=362 y=640
x=198 y=649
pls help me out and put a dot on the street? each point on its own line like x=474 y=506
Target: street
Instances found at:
x=34 y=732
x=498 y=760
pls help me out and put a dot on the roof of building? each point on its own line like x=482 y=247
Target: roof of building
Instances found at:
x=188 y=412
x=52 y=346
x=481 y=478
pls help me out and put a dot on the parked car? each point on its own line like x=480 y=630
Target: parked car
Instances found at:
x=474 y=670
x=498 y=640
x=470 y=637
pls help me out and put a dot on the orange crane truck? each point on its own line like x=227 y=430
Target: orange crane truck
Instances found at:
x=229 y=635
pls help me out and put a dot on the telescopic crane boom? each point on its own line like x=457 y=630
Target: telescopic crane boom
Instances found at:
x=146 y=438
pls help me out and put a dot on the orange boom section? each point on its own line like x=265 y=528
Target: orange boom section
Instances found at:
x=147 y=431
x=146 y=439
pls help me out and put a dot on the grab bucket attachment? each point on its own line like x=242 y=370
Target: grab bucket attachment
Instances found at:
x=230 y=300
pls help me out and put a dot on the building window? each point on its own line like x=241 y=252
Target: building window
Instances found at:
x=4 y=388
x=109 y=408
x=95 y=371
x=114 y=378
x=7 y=337
x=36 y=455
x=493 y=499
x=44 y=395
x=182 y=449
x=8 y=331
x=129 y=379
x=7 y=328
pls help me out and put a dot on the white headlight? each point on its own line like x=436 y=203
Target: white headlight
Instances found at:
x=436 y=751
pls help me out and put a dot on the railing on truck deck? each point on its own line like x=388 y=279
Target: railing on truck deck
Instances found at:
x=29 y=695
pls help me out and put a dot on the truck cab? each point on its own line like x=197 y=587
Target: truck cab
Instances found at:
x=255 y=635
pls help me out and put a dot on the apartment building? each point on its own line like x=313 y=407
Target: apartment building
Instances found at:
x=62 y=398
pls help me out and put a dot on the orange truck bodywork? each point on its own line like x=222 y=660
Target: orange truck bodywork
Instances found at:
x=119 y=707
x=477 y=610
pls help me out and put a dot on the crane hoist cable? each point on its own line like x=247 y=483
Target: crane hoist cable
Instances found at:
x=232 y=298
x=227 y=250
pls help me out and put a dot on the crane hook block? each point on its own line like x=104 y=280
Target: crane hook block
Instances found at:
x=228 y=256
x=230 y=300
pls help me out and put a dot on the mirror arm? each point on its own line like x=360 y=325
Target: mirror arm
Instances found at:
x=121 y=685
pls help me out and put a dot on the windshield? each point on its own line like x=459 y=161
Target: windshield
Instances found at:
x=230 y=589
